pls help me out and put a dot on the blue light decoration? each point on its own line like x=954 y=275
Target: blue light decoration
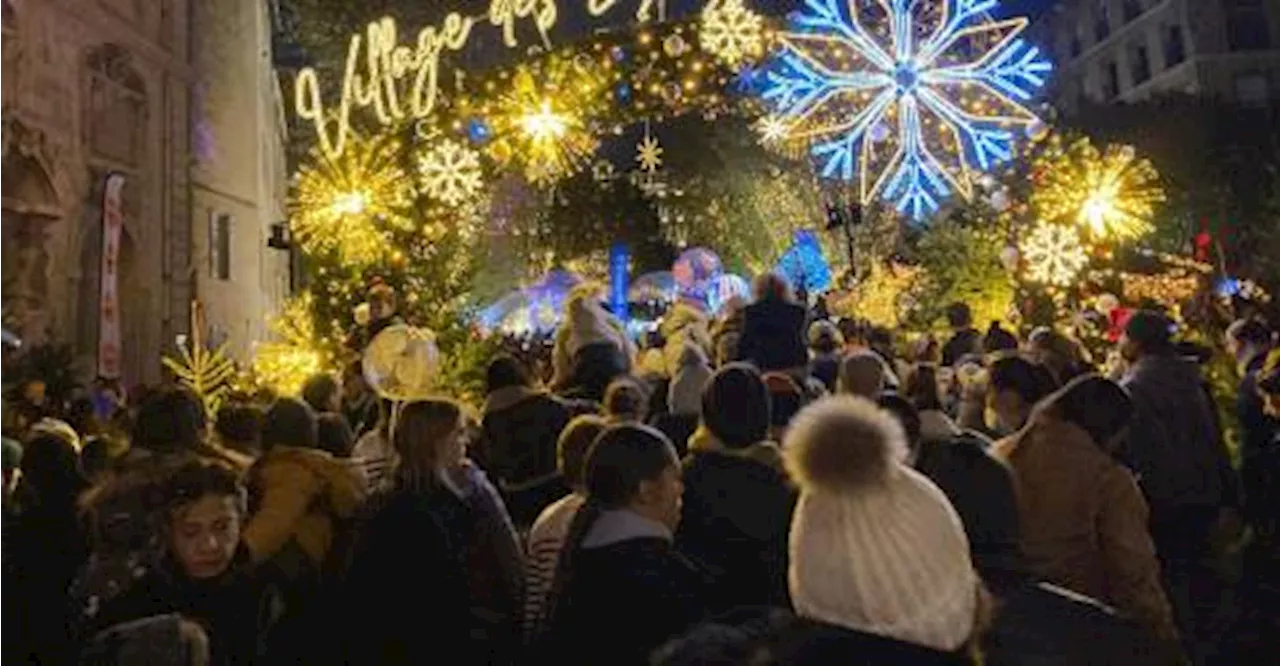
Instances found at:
x=537 y=308
x=725 y=288
x=478 y=131
x=913 y=99
x=619 y=272
x=803 y=264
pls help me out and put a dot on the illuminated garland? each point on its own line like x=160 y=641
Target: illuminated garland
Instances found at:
x=284 y=364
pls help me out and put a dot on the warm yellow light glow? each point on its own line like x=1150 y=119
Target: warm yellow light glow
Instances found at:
x=349 y=203
x=649 y=154
x=449 y=172
x=731 y=32
x=1054 y=255
x=284 y=364
x=1110 y=194
x=544 y=125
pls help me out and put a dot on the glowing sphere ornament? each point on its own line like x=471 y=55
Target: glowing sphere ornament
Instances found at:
x=913 y=99
x=1110 y=194
x=1054 y=255
x=449 y=172
x=731 y=32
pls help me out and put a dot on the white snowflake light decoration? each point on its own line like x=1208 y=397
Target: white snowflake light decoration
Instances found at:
x=1054 y=255
x=912 y=98
x=649 y=154
x=731 y=32
x=449 y=172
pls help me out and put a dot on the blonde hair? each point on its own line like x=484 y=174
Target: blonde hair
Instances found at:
x=421 y=429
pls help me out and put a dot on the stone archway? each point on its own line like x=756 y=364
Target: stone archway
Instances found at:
x=30 y=213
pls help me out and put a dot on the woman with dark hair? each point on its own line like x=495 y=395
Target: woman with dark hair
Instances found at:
x=619 y=581
x=1083 y=518
x=205 y=576
x=1014 y=386
x=439 y=536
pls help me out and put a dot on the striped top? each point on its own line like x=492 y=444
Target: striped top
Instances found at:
x=546 y=539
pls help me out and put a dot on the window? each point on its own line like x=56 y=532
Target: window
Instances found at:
x=1247 y=27
x=220 y=246
x=1139 y=64
x=1132 y=10
x=1251 y=90
x=1101 y=21
x=1174 y=49
x=1110 y=81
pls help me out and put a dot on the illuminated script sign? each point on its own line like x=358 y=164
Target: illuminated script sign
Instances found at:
x=400 y=81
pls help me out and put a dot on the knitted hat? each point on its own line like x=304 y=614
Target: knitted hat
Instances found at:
x=875 y=546
x=735 y=406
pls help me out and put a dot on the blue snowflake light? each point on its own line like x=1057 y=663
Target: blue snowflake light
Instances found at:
x=912 y=98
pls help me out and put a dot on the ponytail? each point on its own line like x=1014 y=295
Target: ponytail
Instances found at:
x=579 y=527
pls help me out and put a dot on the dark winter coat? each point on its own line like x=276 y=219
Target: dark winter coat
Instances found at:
x=1174 y=445
x=981 y=488
x=1049 y=626
x=593 y=367
x=963 y=343
x=678 y=428
x=622 y=599
x=735 y=522
x=236 y=609
x=437 y=553
x=811 y=643
x=773 y=336
x=518 y=448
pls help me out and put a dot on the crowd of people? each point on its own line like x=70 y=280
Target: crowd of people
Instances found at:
x=770 y=486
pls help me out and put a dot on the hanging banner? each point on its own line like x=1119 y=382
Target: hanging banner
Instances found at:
x=108 y=302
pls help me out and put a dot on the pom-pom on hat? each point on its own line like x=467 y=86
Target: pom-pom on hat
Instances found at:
x=874 y=545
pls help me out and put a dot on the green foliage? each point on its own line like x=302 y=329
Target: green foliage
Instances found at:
x=962 y=263
x=52 y=363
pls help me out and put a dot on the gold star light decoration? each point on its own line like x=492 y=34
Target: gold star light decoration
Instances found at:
x=449 y=172
x=649 y=154
x=731 y=32
x=346 y=204
x=1110 y=194
x=1054 y=255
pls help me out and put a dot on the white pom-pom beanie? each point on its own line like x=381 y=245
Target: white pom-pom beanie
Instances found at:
x=874 y=546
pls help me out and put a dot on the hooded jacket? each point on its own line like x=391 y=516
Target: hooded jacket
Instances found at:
x=689 y=377
x=298 y=495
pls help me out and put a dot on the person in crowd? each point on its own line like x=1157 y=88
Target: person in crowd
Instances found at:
x=159 y=639
x=683 y=325
x=299 y=497
x=333 y=435
x=1177 y=450
x=383 y=305
x=999 y=339
x=880 y=342
x=863 y=374
x=591 y=349
x=1249 y=341
x=547 y=537
x=684 y=396
x=171 y=423
x=31 y=404
x=786 y=398
x=12 y=458
x=1083 y=518
x=879 y=561
x=374 y=454
x=773 y=328
x=207 y=575
x=518 y=447
x=965 y=339
x=726 y=332
x=238 y=428
x=1063 y=356
x=626 y=401
x=359 y=402
x=48 y=546
x=620 y=581
x=825 y=345
x=1014 y=386
x=441 y=537
x=322 y=393
x=980 y=488
x=737 y=502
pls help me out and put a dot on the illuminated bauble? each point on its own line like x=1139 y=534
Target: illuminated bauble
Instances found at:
x=401 y=362
x=361 y=315
x=674 y=46
x=695 y=268
x=951 y=82
x=1110 y=194
x=1106 y=303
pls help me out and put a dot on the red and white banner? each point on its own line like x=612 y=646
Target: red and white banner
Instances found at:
x=108 y=301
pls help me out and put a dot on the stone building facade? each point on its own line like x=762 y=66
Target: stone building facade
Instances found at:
x=1108 y=51
x=179 y=97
